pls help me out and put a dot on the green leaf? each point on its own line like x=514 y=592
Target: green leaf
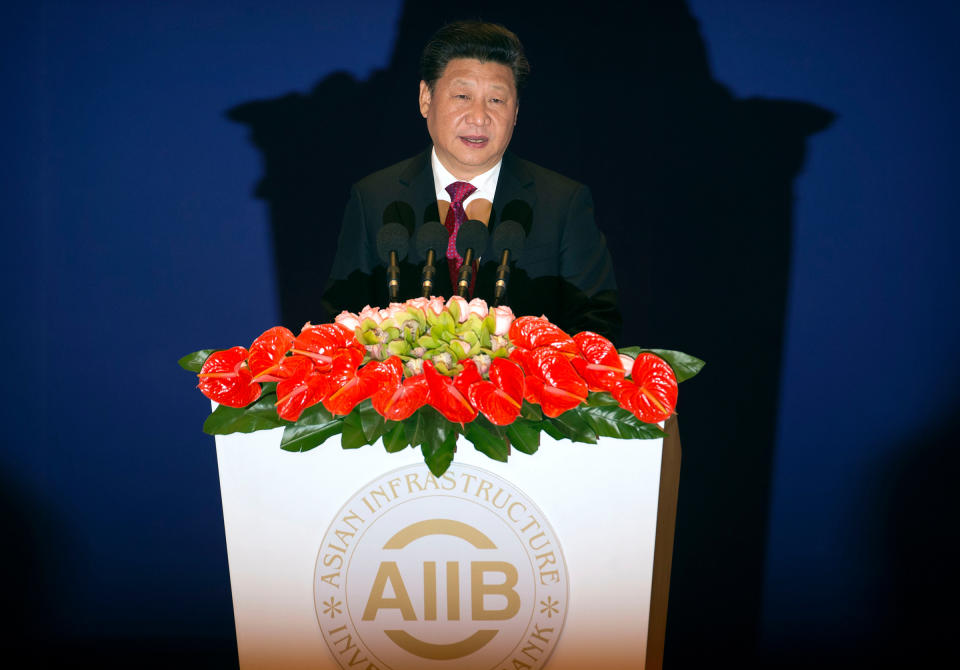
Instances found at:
x=305 y=438
x=260 y=415
x=371 y=422
x=487 y=439
x=531 y=412
x=551 y=430
x=574 y=426
x=524 y=436
x=601 y=399
x=619 y=423
x=439 y=455
x=194 y=362
x=395 y=437
x=427 y=424
x=353 y=436
x=684 y=365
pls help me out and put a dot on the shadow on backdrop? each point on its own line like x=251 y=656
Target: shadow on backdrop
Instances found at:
x=694 y=191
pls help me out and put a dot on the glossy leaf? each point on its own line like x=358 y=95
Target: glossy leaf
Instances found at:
x=531 y=412
x=524 y=436
x=684 y=365
x=487 y=440
x=395 y=437
x=194 y=362
x=261 y=415
x=611 y=421
x=371 y=423
x=316 y=426
x=353 y=435
x=574 y=427
x=438 y=456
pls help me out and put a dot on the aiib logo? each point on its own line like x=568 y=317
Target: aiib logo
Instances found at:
x=458 y=572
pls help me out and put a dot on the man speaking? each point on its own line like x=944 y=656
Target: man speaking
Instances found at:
x=471 y=75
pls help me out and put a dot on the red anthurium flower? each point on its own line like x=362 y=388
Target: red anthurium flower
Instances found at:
x=226 y=379
x=349 y=387
x=446 y=398
x=397 y=398
x=563 y=388
x=532 y=385
x=268 y=354
x=500 y=398
x=597 y=349
x=652 y=395
x=304 y=387
x=321 y=342
x=464 y=379
x=598 y=377
x=531 y=332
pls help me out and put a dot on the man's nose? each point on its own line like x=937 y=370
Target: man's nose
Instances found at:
x=478 y=114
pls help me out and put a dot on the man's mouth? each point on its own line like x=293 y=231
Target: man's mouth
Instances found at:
x=474 y=140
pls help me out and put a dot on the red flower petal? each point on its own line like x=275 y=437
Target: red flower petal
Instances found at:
x=446 y=398
x=508 y=377
x=348 y=387
x=321 y=342
x=533 y=390
x=225 y=378
x=304 y=388
x=499 y=399
x=404 y=400
x=531 y=332
x=466 y=377
x=656 y=389
x=268 y=352
x=598 y=377
x=555 y=401
x=555 y=370
x=597 y=349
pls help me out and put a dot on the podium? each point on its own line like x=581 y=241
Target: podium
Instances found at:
x=363 y=560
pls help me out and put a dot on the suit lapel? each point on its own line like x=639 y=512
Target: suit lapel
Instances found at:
x=416 y=181
x=515 y=183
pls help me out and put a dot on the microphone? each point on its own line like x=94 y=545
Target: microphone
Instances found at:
x=431 y=239
x=393 y=242
x=471 y=238
x=508 y=239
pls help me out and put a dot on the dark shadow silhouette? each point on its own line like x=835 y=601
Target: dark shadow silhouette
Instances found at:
x=694 y=190
x=919 y=537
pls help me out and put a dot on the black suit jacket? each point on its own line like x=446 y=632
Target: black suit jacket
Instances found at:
x=564 y=272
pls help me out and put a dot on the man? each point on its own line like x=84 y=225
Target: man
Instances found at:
x=471 y=76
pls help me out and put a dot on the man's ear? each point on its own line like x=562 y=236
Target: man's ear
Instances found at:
x=516 y=113
x=425 y=98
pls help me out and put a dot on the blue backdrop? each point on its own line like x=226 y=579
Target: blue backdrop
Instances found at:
x=133 y=237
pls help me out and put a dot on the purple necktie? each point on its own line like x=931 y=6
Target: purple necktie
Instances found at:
x=456 y=217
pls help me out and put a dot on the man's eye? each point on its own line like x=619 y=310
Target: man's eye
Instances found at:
x=463 y=96
x=497 y=100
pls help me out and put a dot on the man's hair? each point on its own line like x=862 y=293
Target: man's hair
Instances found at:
x=486 y=42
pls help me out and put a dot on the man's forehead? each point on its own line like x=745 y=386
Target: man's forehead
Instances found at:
x=460 y=81
x=469 y=72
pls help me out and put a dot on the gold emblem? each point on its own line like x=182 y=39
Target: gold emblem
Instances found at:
x=463 y=572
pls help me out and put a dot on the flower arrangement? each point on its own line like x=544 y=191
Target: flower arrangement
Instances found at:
x=423 y=372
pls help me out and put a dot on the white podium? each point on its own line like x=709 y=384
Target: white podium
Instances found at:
x=363 y=560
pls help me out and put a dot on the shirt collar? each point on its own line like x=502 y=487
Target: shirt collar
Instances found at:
x=485 y=183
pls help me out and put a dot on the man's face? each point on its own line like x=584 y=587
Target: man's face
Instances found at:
x=470 y=115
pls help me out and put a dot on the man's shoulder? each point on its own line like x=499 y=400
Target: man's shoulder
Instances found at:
x=542 y=177
x=394 y=174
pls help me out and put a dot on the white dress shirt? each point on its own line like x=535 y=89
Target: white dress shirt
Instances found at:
x=486 y=183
